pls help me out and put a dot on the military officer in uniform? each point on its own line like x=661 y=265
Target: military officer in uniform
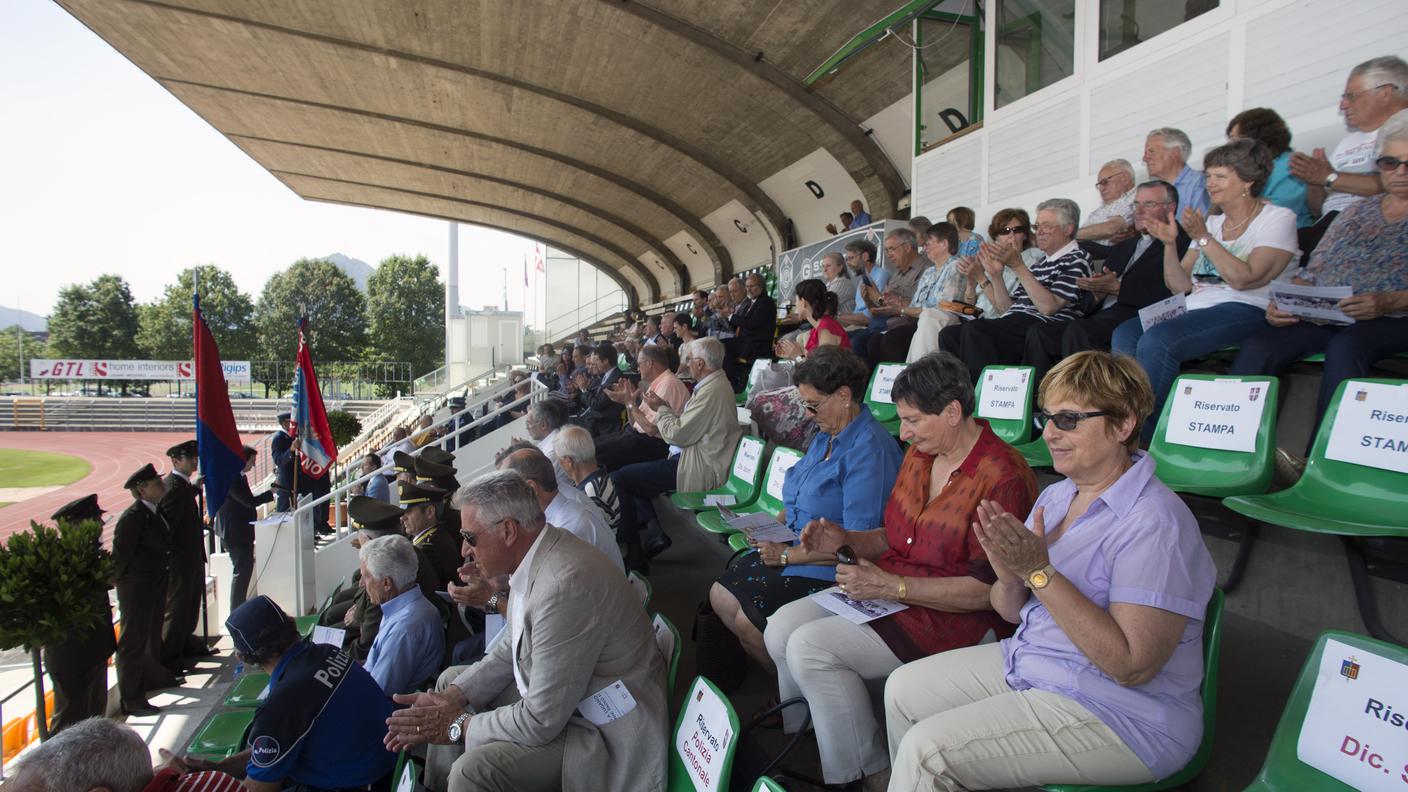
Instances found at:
x=234 y=524
x=78 y=666
x=141 y=547
x=405 y=466
x=437 y=544
x=186 y=582
x=281 y=452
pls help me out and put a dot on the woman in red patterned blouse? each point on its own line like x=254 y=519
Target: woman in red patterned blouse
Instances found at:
x=926 y=557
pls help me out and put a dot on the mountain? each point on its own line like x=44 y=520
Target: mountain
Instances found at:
x=34 y=323
x=359 y=270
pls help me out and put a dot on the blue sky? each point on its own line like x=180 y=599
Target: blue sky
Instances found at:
x=105 y=171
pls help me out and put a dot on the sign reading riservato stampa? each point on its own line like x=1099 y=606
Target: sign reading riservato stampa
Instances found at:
x=71 y=369
x=1371 y=426
x=1356 y=727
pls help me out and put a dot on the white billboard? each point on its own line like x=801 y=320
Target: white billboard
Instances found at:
x=68 y=369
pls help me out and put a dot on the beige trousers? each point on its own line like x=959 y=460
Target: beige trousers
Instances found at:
x=926 y=336
x=954 y=723
x=497 y=766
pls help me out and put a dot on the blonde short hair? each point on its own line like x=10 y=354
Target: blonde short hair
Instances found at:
x=1114 y=385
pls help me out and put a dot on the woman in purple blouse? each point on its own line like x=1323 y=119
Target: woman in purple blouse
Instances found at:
x=1108 y=583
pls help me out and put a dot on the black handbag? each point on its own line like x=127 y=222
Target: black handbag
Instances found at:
x=717 y=653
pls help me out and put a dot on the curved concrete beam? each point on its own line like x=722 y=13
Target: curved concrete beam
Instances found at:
x=656 y=245
x=606 y=244
x=726 y=172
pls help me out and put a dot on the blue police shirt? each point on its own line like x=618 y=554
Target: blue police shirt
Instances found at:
x=849 y=488
x=322 y=722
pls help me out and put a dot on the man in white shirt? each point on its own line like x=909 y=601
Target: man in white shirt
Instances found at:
x=543 y=421
x=1113 y=220
x=565 y=507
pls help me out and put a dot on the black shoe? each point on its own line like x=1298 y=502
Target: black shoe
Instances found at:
x=657 y=547
x=141 y=709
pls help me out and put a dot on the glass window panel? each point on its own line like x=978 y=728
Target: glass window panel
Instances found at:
x=1126 y=23
x=945 y=59
x=1035 y=46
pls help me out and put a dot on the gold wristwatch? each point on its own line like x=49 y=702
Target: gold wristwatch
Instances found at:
x=1040 y=579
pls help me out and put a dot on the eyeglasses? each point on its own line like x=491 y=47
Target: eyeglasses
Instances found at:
x=1102 y=182
x=1150 y=204
x=1351 y=96
x=1390 y=164
x=1048 y=228
x=1011 y=230
x=1065 y=421
x=472 y=539
x=812 y=408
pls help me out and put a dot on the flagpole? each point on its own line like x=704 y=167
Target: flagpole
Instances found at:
x=200 y=494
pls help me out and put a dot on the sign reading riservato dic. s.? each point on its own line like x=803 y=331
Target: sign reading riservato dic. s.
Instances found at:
x=70 y=369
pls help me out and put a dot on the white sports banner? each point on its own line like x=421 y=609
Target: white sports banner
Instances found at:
x=1371 y=427
x=70 y=369
x=1224 y=414
x=1354 y=728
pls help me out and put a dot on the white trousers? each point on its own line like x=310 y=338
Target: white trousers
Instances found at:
x=926 y=335
x=954 y=724
x=827 y=660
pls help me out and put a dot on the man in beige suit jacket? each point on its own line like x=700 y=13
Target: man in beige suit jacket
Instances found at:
x=575 y=629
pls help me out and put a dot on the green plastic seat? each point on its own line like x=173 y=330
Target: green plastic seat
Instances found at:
x=766 y=784
x=1334 y=497
x=642 y=586
x=680 y=778
x=737 y=542
x=247 y=690
x=1036 y=453
x=1283 y=771
x=1013 y=431
x=744 y=489
x=221 y=736
x=305 y=624
x=769 y=500
x=877 y=396
x=1212 y=651
x=665 y=626
x=1213 y=472
x=406 y=776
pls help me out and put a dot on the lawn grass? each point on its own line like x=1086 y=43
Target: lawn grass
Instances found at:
x=39 y=468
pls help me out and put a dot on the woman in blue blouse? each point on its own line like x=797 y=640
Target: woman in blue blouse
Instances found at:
x=845 y=477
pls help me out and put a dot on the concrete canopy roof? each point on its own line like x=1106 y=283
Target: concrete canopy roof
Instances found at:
x=602 y=128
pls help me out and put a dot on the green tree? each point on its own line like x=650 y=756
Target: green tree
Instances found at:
x=95 y=320
x=406 y=313
x=336 y=311
x=165 y=324
x=10 y=352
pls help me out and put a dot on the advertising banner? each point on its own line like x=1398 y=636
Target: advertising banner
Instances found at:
x=801 y=263
x=69 y=369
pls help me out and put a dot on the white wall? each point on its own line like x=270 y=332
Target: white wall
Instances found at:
x=1290 y=55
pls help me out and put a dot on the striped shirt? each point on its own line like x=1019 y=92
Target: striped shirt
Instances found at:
x=1058 y=273
x=599 y=487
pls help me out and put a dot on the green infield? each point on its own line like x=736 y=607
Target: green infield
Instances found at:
x=39 y=468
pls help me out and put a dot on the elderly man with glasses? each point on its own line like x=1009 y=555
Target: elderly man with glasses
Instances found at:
x=1113 y=221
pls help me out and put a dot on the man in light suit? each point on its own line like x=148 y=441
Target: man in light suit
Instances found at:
x=575 y=629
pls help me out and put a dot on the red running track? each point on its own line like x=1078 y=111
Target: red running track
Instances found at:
x=113 y=455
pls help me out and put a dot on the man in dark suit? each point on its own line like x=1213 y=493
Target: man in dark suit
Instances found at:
x=186 y=581
x=1133 y=279
x=141 y=549
x=78 y=666
x=234 y=524
x=599 y=414
x=281 y=450
x=754 y=324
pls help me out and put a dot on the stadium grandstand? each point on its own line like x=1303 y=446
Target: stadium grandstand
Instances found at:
x=1008 y=395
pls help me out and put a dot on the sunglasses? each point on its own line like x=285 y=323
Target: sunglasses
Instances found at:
x=812 y=408
x=1010 y=230
x=472 y=539
x=845 y=555
x=1390 y=164
x=1065 y=421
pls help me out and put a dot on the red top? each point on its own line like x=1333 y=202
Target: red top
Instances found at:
x=934 y=538
x=830 y=325
x=167 y=780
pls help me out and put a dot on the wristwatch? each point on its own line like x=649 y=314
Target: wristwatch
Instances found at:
x=1330 y=180
x=784 y=558
x=1040 y=579
x=457 y=727
x=1203 y=242
x=492 y=606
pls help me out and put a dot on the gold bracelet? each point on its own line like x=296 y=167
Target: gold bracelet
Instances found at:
x=904 y=590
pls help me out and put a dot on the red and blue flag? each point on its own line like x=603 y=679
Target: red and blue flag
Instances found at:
x=221 y=452
x=312 y=437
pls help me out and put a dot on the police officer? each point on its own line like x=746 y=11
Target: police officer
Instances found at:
x=234 y=524
x=323 y=718
x=186 y=582
x=78 y=666
x=281 y=451
x=141 y=547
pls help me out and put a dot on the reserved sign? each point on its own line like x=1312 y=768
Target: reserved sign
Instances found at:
x=1356 y=727
x=704 y=737
x=1004 y=395
x=1371 y=426
x=1223 y=414
x=885 y=376
x=777 y=471
x=750 y=452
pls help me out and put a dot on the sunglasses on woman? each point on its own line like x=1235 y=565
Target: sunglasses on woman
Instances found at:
x=1065 y=421
x=1010 y=230
x=1390 y=164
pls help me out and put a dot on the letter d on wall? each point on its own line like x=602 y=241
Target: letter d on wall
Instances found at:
x=815 y=188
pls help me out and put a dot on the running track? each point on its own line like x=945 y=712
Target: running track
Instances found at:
x=114 y=456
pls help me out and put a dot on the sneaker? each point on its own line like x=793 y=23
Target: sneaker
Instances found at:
x=1289 y=469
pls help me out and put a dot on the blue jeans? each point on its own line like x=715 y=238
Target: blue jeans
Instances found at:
x=636 y=485
x=1198 y=333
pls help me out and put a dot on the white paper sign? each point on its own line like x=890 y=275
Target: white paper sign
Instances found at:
x=407 y=781
x=777 y=471
x=704 y=738
x=885 y=382
x=1224 y=414
x=1371 y=427
x=1162 y=311
x=745 y=416
x=750 y=453
x=332 y=636
x=1353 y=729
x=856 y=611
x=1312 y=302
x=1004 y=394
x=608 y=704
x=719 y=500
